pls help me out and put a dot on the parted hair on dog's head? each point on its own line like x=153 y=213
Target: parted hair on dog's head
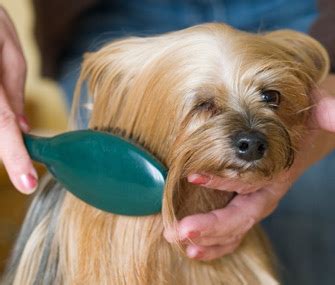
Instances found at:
x=206 y=99
x=208 y=84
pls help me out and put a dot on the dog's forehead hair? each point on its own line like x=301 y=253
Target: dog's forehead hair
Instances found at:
x=236 y=63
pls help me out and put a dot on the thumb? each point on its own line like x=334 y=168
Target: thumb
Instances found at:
x=323 y=114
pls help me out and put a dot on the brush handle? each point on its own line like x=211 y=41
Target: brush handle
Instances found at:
x=105 y=171
x=37 y=147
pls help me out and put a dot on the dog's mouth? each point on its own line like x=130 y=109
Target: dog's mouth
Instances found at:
x=264 y=153
x=277 y=158
x=251 y=170
x=231 y=145
x=262 y=168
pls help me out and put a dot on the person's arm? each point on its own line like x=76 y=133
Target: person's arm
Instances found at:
x=12 y=120
x=212 y=235
x=322 y=28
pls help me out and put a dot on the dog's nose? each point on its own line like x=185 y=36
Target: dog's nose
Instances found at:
x=250 y=146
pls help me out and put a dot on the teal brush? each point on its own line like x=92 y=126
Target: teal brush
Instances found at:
x=103 y=170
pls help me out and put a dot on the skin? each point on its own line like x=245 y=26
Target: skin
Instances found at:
x=12 y=121
x=220 y=232
x=207 y=236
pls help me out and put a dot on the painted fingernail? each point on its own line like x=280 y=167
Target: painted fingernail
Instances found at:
x=23 y=122
x=198 y=179
x=193 y=234
x=29 y=183
x=200 y=255
x=186 y=235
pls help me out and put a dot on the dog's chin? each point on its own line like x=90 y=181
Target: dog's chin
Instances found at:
x=253 y=171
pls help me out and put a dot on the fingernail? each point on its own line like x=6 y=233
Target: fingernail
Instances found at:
x=194 y=253
x=198 y=179
x=193 y=234
x=200 y=255
x=29 y=183
x=23 y=122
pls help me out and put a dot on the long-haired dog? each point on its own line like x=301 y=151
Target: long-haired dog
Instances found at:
x=205 y=99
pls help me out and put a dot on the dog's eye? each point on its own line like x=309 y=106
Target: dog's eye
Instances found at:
x=207 y=105
x=271 y=97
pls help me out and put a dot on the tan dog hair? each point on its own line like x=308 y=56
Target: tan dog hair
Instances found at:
x=181 y=95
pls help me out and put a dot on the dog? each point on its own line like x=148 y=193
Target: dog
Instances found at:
x=208 y=99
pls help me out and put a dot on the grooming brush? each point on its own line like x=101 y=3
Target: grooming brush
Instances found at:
x=104 y=170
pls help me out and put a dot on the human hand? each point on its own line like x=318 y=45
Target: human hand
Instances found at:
x=220 y=232
x=12 y=120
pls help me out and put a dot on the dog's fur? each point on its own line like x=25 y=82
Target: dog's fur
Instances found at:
x=182 y=96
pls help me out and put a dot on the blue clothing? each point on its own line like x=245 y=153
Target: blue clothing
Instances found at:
x=303 y=227
x=120 y=18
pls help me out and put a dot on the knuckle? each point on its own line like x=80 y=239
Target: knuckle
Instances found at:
x=211 y=181
x=190 y=223
x=7 y=118
x=186 y=224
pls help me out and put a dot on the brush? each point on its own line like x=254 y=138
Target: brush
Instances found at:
x=103 y=170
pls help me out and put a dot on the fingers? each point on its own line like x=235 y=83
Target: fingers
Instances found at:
x=191 y=227
x=12 y=80
x=13 y=76
x=211 y=240
x=224 y=223
x=13 y=67
x=225 y=184
x=223 y=229
x=12 y=150
x=233 y=220
x=211 y=252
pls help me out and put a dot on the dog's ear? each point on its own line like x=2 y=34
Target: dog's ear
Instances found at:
x=308 y=54
x=107 y=74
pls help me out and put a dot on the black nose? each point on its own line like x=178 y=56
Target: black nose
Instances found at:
x=250 y=146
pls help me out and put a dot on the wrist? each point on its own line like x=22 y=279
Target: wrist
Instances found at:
x=318 y=145
x=317 y=142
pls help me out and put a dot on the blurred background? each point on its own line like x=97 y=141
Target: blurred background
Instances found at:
x=46 y=112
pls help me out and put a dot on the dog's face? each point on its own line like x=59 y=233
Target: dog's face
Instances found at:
x=245 y=114
x=215 y=99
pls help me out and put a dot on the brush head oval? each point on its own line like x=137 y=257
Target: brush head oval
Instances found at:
x=104 y=170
